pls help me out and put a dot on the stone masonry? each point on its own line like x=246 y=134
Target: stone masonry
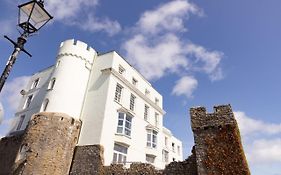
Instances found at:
x=46 y=147
x=217 y=139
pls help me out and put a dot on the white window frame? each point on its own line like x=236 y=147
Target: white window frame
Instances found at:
x=28 y=101
x=151 y=141
x=35 y=83
x=124 y=125
x=179 y=152
x=173 y=146
x=157 y=101
x=165 y=155
x=51 y=84
x=150 y=158
x=118 y=93
x=146 y=112
x=156 y=118
x=121 y=70
x=45 y=104
x=134 y=81
x=166 y=141
x=20 y=122
x=132 y=102
x=119 y=153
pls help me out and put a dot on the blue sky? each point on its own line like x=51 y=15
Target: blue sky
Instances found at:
x=195 y=53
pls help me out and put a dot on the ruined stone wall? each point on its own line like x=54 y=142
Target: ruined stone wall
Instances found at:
x=9 y=147
x=87 y=160
x=47 y=145
x=218 y=145
x=135 y=169
x=186 y=167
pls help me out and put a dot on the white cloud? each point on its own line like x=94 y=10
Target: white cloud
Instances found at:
x=210 y=60
x=265 y=151
x=11 y=91
x=94 y=24
x=248 y=125
x=154 y=60
x=185 y=86
x=168 y=17
x=156 y=47
x=1 y=113
x=65 y=9
x=261 y=140
x=80 y=13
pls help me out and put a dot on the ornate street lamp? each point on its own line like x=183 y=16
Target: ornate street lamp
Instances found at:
x=32 y=17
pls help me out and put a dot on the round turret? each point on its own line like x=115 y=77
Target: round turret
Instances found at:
x=68 y=82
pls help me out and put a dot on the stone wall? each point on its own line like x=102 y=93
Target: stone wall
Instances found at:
x=87 y=160
x=9 y=147
x=186 y=167
x=45 y=147
x=218 y=145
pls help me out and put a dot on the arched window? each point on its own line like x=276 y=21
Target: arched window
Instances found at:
x=52 y=84
x=45 y=105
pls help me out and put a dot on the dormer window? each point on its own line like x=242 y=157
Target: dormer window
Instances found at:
x=121 y=69
x=134 y=81
x=147 y=92
x=156 y=101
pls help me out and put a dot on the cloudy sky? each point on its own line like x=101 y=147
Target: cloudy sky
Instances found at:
x=195 y=53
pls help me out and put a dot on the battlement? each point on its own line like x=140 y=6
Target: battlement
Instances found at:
x=77 y=48
x=201 y=119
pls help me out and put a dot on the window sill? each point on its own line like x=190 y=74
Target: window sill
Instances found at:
x=122 y=138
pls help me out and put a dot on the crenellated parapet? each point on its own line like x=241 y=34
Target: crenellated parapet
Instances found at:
x=218 y=146
x=201 y=119
x=77 y=49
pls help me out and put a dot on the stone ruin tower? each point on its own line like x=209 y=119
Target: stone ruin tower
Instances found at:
x=218 y=147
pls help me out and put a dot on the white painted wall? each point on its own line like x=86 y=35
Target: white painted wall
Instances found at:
x=38 y=95
x=72 y=75
x=85 y=89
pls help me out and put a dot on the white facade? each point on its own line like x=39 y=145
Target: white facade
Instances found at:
x=118 y=108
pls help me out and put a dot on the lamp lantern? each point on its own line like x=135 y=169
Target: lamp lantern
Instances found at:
x=32 y=17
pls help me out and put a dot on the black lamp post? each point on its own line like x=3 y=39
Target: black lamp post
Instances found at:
x=32 y=17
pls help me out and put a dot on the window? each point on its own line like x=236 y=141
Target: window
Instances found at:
x=35 y=83
x=149 y=158
x=165 y=155
x=179 y=150
x=134 y=81
x=132 y=102
x=173 y=147
x=156 y=101
x=147 y=92
x=124 y=124
x=58 y=63
x=166 y=141
x=156 y=119
x=20 y=122
x=151 y=138
x=28 y=101
x=121 y=70
x=146 y=112
x=118 y=92
x=45 y=105
x=119 y=153
x=52 y=84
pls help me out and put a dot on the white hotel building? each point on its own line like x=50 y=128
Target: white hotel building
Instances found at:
x=118 y=107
